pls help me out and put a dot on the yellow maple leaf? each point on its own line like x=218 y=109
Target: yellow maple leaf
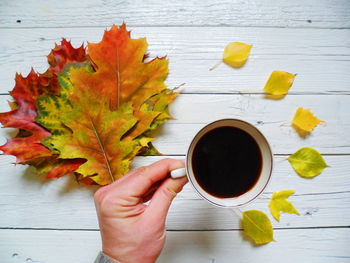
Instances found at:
x=304 y=121
x=257 y=226
x=278 y=204
x=278 y=84
x=236 y=54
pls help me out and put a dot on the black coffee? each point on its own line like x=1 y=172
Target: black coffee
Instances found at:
x=227 y=162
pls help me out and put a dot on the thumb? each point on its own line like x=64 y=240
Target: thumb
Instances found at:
x=162 y=198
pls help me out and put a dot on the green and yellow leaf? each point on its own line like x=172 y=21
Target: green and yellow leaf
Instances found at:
x=257 y=226
x=307 y=162
x=278 y=204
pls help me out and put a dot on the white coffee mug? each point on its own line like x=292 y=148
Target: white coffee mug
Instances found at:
x=253 y=192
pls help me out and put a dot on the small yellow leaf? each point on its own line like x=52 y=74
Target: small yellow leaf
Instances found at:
x=307 y=162
x=257 y=226
x=236 y=54
x=278 y=204
x=304 y=121
x=279 y=83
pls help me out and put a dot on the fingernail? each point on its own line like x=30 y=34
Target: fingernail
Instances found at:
x=177 y=173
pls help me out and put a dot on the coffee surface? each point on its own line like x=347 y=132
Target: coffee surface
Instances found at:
x=227 y=162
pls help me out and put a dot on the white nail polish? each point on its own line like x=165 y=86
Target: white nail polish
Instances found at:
x=177 y=173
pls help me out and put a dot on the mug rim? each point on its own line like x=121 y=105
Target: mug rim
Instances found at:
x=192 y=177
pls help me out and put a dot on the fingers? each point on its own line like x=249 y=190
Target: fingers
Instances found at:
x=148 y=195
x=138 y=182
x=163 y=197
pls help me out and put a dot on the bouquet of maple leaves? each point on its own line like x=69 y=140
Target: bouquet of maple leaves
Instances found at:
x=92 y=111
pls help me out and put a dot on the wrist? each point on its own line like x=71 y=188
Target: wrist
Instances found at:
x=127 y=257
x=104 y=258
x=114 y=258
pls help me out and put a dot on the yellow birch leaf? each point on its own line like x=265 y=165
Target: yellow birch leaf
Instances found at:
x=257 y=226
x=278 y=204
x=304 y=121
x=236 y=54
x=279 y=84
x=307 y=162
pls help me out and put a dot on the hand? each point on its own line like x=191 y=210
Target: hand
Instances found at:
x=132 y=231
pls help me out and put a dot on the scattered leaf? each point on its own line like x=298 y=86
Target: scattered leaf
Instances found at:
x=257 y=226
x=307 y=162
x=236 y=54
x=278 y=204
x=304 y=121
x=278 y=84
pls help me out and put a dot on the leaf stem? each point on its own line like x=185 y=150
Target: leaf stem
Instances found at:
x=215 y=66
x=179 y=86
x=236 y=211
x=265 y=196
x=102 y=150
x=251 y=91
x=285 y=124
x=118 y=75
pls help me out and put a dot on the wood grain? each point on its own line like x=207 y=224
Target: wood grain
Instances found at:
x=333 y=180
x=320 y=57
x=310 y=38
x=27 y=201
x=282 y=13
x=300 y=245
x=272 y=117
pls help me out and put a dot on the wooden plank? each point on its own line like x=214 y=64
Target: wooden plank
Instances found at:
x=301 y=245
x=332 y=180
x=320 y=57
x=270 y=116
x=283 y=13
x=315 y=211
x=29 y=202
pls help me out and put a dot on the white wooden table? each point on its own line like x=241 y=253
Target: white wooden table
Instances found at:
x=56 y=222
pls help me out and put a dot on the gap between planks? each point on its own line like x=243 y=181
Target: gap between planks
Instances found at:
x=183 y=155
x=168 y=230
x=327 y=93
x=174 y=26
